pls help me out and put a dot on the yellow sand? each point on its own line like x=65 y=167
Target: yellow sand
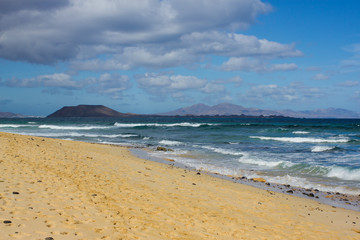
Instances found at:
x=76 y=190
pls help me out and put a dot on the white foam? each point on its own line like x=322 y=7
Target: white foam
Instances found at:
x=224 y=151
x=13 y=125
x=321 y=148
x=344 y=173
x=303 y=140
x=57 y=127
x=183 y=124
x=300 y=132
x=170 y=143
x=305 y=183
x=256 y=161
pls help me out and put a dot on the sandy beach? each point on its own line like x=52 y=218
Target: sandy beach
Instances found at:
x=58 y=189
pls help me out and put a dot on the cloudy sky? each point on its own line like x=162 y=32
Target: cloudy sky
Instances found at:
x=151 y=56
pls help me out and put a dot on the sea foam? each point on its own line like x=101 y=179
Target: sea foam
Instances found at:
x=182 y=124
x=344 y=173
x=223 y=151
x=170 y=143
x=321 y=148
x=58 y=127
x=303 y=140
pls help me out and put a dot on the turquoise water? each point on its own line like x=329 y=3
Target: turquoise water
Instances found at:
x=322 y=154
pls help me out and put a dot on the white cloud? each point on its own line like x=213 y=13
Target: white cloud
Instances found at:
x=321 y=76
x=44 y=32
x=255 y=65
x=109 y=84
x=244 y=64
x=283 y=67
x=162 y=84
x=349 y=83
x=295 y=92
x=237 y=45
x=56 y=80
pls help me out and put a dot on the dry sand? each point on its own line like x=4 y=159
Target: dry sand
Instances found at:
x=56 y=189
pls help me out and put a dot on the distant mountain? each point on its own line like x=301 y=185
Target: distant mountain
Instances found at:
x=232 y=109
x=10 y=115
x=87 y=111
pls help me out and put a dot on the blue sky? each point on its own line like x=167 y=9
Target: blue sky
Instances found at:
x=151 y=56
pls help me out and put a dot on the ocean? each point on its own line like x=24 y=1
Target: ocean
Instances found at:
x=310 y=153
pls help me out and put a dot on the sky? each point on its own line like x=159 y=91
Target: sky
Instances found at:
x=154 y=56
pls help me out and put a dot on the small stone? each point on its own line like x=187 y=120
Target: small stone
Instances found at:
x=198 y=173
x=49 y=238
x=309 y=194
x=194 y=184
x=290 y=191
x=15 y=193
x=7 y=222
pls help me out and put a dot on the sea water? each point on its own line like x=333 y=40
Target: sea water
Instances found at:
x=310 y=153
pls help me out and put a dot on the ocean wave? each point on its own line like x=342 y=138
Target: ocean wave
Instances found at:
x=322 y=148
x=182 y=124
x=170 y=143
x=272 y=164
x=59 y=127
x=307 y=183
x=303 y=140
x=223 y=151
x=14 y=125
x=300 y=132
x=344 y=173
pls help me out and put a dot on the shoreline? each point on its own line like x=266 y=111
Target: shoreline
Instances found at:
x=77 y=190
x=335 y=199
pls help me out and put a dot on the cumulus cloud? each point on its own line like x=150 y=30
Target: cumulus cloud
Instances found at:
x=160 y=83
x=149 y=33
x=56 y=80
x=295 y=92
x=321 y=76
x=255 y=65
x=109 y=84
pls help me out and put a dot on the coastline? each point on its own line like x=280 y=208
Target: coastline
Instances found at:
x=335 y=199
x=76 y=190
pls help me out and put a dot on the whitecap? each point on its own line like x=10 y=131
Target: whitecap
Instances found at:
x=170 y=143
x=59 y=127
x=13 y=125
x=183 y=124
x=249 y=160
x=344 y=173
x=300 y=132
x=223 y=151
x=303 y=140
x=321 y=148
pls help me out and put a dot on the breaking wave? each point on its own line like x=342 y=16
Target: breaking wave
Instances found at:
x=303 y=140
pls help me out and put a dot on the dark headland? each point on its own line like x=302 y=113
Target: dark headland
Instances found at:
x=88 y=111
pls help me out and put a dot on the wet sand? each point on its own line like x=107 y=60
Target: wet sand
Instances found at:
x=57 y=189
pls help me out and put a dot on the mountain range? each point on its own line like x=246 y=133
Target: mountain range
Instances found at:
x=232 y=109
x=10 y=115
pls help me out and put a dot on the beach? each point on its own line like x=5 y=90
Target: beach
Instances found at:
x=60 y=189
